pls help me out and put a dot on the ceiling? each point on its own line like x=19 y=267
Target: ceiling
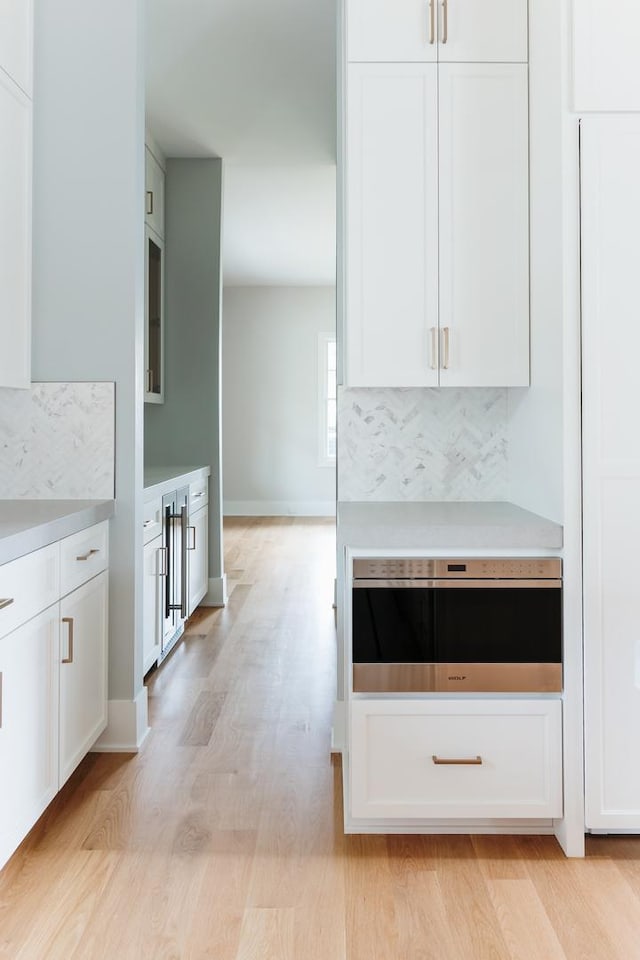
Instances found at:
x=254 y=83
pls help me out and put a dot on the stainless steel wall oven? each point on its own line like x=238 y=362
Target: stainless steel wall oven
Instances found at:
x=478 y=624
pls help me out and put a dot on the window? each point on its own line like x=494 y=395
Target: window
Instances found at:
x=327 y=398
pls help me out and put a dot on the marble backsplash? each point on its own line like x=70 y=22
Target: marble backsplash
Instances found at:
x=422 y=444
x=57 y=442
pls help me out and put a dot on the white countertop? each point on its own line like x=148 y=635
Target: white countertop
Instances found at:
x=161 y=480
x=425 y=524
x=27 y=525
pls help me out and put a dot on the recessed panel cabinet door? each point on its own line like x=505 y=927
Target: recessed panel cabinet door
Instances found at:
x=28 y=726
x=153 y=595
x=484 y=225
x=15 y=235
x=446 y=30
x=392 y=225
x=83 y=671
x=610 y=224
x=606 y=41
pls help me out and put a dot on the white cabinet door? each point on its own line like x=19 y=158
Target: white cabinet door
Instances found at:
x=484 y=210
x=198 y=557
x=16 y=41
x=611 y=469
x=15 y=235
x=153 y=585
x=419 y=30
x=392 y=225
x=404 y=30
x=28 y=726
x=606 y=40
x=83 y=671
x=154 y=196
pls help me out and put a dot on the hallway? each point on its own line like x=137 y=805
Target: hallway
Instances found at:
x=223 y=840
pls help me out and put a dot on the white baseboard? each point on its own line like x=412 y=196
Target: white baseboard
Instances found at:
x=279 y=508
x=339 y=728
x=216 y=595
x=127 y=726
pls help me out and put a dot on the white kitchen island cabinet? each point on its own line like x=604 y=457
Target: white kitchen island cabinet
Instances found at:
x=53 y=667
x=610 y=161
x=437 y=214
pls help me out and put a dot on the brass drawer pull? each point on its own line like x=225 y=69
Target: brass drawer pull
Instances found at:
x=69 y=658
x=149 y=203
x=193 y=544
x=162 y=551
x=6 y=603
x=432 y=21
x=457 y=761
x=87 y=556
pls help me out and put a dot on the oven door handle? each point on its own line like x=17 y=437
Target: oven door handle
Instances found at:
x=457 y=584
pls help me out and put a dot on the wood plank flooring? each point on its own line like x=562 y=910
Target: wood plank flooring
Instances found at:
x=222 y=838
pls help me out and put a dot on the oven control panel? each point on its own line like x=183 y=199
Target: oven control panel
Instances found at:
x=471 y=568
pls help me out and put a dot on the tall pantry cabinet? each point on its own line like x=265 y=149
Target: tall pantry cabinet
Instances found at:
x=16 y=72
x=436 y=191
x=610 y=161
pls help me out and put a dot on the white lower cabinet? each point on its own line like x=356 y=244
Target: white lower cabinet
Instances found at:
x=153 y=582
x=53 y=673
x=198 y=557
x=448 y=759
x=83 y=671
x=28 y=725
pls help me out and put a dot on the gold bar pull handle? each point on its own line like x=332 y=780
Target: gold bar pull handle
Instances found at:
x=163 y=554
x=69 y=657
x=89 y=554
x=432 y=21
x=445 y=348
x=192 y=546
x=445 y=20
x=457 y=761
x=433 y=332
x=6 y=602
x=149 y=203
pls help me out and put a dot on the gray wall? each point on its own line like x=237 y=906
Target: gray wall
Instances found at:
x=270 y=400
x=185 y=430
x=88 y=248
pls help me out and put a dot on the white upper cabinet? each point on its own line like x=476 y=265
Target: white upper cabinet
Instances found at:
x=606 y=64
x=154 y=194
x=16 y=41
x=429 y=30
x=392 y=225
x=484 y=225
x=15 y=235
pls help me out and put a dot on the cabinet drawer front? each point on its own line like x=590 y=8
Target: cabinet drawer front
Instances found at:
x=152 y=519
x=198 y=494
x=415 y=760
x=83 y=555
x=28 y=585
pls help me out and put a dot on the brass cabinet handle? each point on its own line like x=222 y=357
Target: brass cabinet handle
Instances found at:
x=193 y=546
x=445 y=348
x=457 y=761
x=87 y=556
x=200 y=493
x=149 y=203
x=432 y=21
x=163 y=553
x=6 y=603
x=149 y=381
x=433 y=331
x=445 y=20
x=69 y=658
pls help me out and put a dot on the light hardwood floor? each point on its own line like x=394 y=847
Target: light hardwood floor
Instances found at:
x=222 y=839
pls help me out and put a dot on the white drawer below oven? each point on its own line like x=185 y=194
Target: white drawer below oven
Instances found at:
x=418 y=759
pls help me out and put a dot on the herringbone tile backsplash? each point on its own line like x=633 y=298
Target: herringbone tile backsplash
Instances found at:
x=422 y=444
